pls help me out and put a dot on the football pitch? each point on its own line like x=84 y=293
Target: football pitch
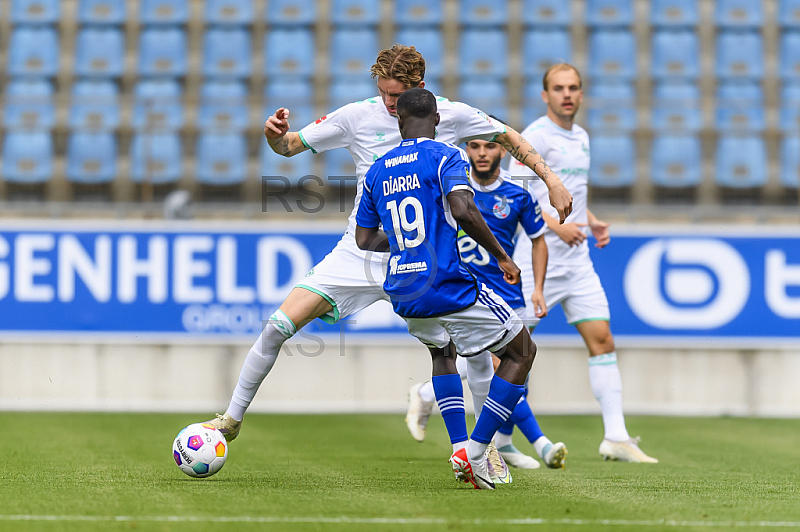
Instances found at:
x=85 y=472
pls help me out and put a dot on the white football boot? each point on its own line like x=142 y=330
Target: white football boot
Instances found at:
x=554 y=455
x=516 y=458
x=418 y=413
x=625 y=451
x=228 y=426
x=498 y=470
x=475 y=473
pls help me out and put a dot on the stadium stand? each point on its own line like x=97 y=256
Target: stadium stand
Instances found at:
x=676 y=106
x=162 y=52
x=613 y=161
x=343 y=92
x=355 y=13
x=543 y=48
x=740 y=55
x=483 y=13
x=95 y=106
x=674 y=13
x=419 y=12
x=790 y=107
x=99 y=52
x=609 y=13
x=226 y=53
x=676 y=161
x=221 y=159
x=675 y=55
x=430 y=43
x=353 y=51
x=612 y=55
x=101 y=11
x=274 y=167
x=229 y=12
x=29 y=105
x=790 y=56
x=549 y=13
x=485 y=94
x=483 y=53
x=741 y=162
x=35 y=11
x=171 y=12
x=27 y=157
x=157 y=105
x=91 y=158
x=223 y=106
x=289 y=52
x=33 y=52
x=738 y=14
x=291 y=12
x=789 y=13
x=740 y=107
x=156 y=158
x=612 y=107
x=790 y=162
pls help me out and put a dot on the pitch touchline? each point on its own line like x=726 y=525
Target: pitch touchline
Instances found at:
x=403 y=521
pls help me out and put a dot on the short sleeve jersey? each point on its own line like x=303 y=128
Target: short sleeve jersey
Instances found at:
x=368 y=131
x=505 y=205
x=406 y=191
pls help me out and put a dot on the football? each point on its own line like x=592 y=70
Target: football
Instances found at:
x=200 y=450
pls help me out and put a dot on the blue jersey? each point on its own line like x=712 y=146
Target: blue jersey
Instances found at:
x=504 y=204
x=406 y=190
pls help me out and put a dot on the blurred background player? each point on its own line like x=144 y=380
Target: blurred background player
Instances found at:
x=505 y=204
x=571 y=279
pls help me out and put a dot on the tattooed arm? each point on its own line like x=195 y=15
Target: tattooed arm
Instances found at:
x=521 y=150
x=280 y=139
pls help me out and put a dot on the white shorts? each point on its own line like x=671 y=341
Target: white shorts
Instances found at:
x=348 y=278
x=488 y=325
x=577 y=288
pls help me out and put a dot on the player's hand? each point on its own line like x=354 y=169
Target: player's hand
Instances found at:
x=561 y=199
x=539 y=305
x=572 y=234
x=510 y=270
x=600 y=232
x=277 y=125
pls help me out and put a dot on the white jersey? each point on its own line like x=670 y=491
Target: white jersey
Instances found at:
x=567 y=153
x=368 y=131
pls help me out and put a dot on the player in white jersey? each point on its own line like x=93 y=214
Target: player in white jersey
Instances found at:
x=347 y=280
x=570 y=278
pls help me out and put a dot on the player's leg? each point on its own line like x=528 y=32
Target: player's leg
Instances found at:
x=421 y=397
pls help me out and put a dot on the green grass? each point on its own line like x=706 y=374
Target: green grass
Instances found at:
x=712 y=472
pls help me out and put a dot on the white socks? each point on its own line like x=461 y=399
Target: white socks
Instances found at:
x=426 y=392
x=479 y=371
x=607 y=388
x=259 y=362
x=501 y=440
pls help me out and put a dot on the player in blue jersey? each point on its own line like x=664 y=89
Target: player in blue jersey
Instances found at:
x=420 y=193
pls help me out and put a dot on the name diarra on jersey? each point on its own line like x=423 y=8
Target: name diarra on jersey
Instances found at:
x=403 y=183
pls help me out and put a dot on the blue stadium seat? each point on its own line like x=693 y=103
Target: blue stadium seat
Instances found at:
x=612 y=55
x=162 y=52
x=353 y=52
x=288 y=93
x=613 y=161
x=223 y=106
x=221 y=159
x=789 y=68
x=339 y=164
x=95 y=106
x=741 y=162
x=790 y=107
x=226 y=53
x=483 y=12
x=676 y=107
x=675 y=54
x=429 y=42
x=488 y=95
x=789 y=13
x=224 y=12
x=612 y=107
x=101 y=11
x=156 y=158
x=91 y=158
x=533 y=107
x=27 y=157
x=292 y=12
x=99 y=52
x=157 y=105
x=418 y=12
x=164 y=12
x=674 y=13
x=543 y=48
x=33 y=51
x=289 y=52
x=355 y=12
x=35 y=11
x=346 y=91
x=790 y=162
x=740 y=55
x=608 y=13
x=547 y=13
x=483 y=53
x=740 y=107
x=29 y=105
x=738 y=14
x=274 y=166
x=677 y=161
x=432 y=84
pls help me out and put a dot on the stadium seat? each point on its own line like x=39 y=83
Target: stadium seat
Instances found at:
x=483 y=12
x=229 y=12
x=289 y=52
x=35 y=11
x=790 y=107
x=533 y=107
x=429 y=42
x=418 y=12
x=543 y=48
x=789 y=13
x=274 y=166
x=33 y=51
x=608 y=13
x=29 y=105
x=226 y=53
x=162 y=52
x=91 y=158
x=613 y=161
x=612 y=107
x=355 y=12
x=740 y=106
x=674 y=13
x=738 y=14
x=790 y=162
x=353 y=52
x=790 y=56
x=740 y=55
x=164 y=12
x=156 y=158
x=339 y=165
x=299 y=115
x=612 y=55
x=483 y=53
x=291 y=12
x=101 y=11
x=677 y=161
x=27 y=157
x=288 y=93
x=99 y=52
x=223 y=106
x=741 y=162
x=675 y=55
x=547 y=13
x=95 y=106
x=488 y=95
x=346 y=91
x=676 y=107
x=157 y=105
x=221 y=159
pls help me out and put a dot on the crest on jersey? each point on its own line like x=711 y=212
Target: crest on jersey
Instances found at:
x=501 y=209
x=320 y=120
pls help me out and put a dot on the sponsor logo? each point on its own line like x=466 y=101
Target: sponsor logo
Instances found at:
x=380 y=136
x=585 y=148
x=396 y=268
x=401 y=159
x=320 y=120
x=186 y=457
x=501 y=209
x=310 y=272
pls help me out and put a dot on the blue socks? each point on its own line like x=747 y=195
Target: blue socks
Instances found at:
x=450 y=398
x=503 y=398
x=525 y=420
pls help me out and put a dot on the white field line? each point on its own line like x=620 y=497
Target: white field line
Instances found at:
x=401 y=521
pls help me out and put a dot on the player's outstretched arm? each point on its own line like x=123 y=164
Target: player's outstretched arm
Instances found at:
x=466 y=213
x=280 y=139
x=539 y=263
x=371 y=239
x=521 y=150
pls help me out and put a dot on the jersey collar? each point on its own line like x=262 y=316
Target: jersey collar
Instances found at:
x=556 y=126
x=488 y=188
